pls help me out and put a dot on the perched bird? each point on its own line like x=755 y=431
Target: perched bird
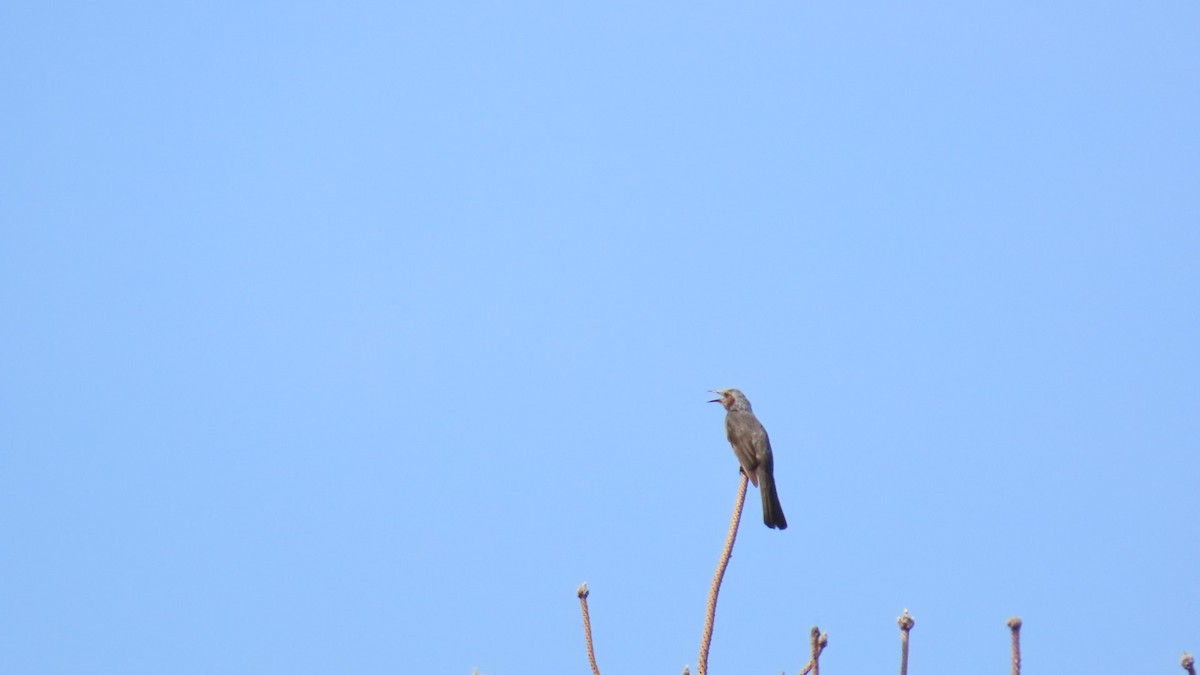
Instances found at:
x=753 y=450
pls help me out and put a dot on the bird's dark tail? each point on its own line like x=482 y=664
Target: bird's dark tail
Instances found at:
x=772 y=509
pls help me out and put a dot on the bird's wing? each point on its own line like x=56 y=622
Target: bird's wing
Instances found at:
x=762 y=448
x=746 y=436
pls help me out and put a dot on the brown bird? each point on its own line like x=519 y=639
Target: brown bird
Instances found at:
x=753 y=450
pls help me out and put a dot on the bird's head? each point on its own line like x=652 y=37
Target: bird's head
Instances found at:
x=732 y=399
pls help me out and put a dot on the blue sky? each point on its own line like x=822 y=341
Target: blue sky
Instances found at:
x=353 y=338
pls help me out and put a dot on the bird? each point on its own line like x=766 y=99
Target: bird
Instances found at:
x=753 y=450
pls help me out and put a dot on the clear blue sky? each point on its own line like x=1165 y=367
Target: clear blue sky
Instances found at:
x=352 y=337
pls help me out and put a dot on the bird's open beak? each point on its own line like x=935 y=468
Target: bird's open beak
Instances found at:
x=717 y=400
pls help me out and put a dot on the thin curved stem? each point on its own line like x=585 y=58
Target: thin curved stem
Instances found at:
x=702 y=666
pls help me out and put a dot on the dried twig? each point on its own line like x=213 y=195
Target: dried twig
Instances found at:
x=818 y=641
x=815 y=639
x=906 y=623
x=706 y=640
x=1015 y=624
x=812 y=662
x=582 y=592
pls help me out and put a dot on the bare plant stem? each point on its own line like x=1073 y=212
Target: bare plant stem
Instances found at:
x=1015 y=625
x=818 y=640
x=906 y=624
x=815 y=639
x=702 y=665
x=587 y=626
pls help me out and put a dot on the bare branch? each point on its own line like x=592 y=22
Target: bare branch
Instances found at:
x=706 y=640
x=821 y=641
x=1015 y=624
x=906 y=623
x=582 y=592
